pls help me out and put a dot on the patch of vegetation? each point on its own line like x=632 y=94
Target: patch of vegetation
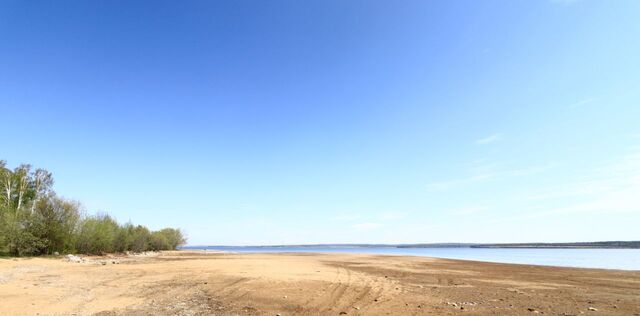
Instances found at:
x=35 y=221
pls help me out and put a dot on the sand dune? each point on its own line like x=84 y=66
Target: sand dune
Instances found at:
x=193 y=283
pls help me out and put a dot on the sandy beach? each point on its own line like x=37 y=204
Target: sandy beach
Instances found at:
x=197 y=283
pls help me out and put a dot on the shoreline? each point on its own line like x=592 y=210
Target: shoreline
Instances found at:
x=619 y=244
x=409 y=256
x=580 y=262
x=191 y=282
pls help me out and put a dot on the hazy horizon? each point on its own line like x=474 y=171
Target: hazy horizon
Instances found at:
x=391 y=245
x=332 y=122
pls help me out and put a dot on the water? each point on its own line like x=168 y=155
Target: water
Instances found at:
x=623 y=259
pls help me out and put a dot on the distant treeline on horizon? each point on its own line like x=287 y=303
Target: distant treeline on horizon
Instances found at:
x=35 y=221
x=565 y=245
x=597 y=244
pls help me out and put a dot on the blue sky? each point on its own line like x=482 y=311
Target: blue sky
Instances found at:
x=285 y=122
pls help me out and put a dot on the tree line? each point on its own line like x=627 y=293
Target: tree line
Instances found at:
x=35 y=221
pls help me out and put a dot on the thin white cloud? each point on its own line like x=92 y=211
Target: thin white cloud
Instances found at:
x=531 y=170
x=346 y=217
x=366 y=226
x=575 y=189
x=445 y=185
x=613 y=188
x=391 y=216
x=484 y=167
x=483 y=171
x=468 y=210
x=489 y=139
x=581 y=103
x=617 y=202
x=624 y=201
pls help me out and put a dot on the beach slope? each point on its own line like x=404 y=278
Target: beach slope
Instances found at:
x=197 y=283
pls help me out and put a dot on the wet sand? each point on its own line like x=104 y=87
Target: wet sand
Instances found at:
x=195 y=283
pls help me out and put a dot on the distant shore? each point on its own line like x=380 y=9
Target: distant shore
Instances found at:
x=564 y=245
x=205 y=283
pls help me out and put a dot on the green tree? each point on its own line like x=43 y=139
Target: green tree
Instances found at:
x=58 y=219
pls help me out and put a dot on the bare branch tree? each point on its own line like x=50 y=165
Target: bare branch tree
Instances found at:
x=6 y=181
x=22 y=180
x=42 y=181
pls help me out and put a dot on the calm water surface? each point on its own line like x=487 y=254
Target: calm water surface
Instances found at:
x=624 y=259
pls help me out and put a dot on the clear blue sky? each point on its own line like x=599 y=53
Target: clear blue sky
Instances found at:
x=271 y=122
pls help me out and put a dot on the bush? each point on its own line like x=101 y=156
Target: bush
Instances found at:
x=141 y=239
x=18 y=235
x=158 y=241
x=97 y=235
x=174 y=237
x=58 y=220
